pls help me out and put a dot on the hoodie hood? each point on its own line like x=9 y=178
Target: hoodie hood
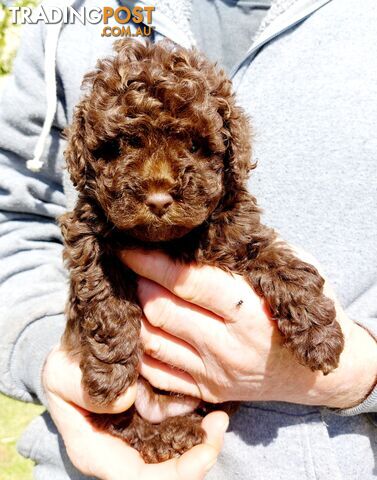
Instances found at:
x=172 y=20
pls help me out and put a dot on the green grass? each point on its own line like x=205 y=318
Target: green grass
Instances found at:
x=10 y=34
x=14 y=417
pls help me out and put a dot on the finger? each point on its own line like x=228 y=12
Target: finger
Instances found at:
x=169 y=349
x=214 y=424
x=63 y=375
x=85 y=444
x=194 y=464
x=156 y=408
x=164 y=377
x=77 y=431
x=199 y=285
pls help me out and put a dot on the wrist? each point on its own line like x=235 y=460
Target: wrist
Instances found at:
x=356 y=376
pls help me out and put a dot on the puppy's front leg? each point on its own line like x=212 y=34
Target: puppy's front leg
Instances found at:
x=103 y=324
x=293 y=290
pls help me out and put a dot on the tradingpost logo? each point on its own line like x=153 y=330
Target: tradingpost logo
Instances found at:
x=141 y=16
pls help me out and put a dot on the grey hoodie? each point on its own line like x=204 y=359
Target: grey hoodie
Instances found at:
x=309 y=85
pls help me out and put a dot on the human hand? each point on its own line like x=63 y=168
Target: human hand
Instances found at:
x=99 y=454
x=208 y=334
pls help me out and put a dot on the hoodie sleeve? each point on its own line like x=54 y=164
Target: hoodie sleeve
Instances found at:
x=33 y=283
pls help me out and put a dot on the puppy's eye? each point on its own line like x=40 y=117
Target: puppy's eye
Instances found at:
x=135 y=142
x=194 y=147
x=108 y=151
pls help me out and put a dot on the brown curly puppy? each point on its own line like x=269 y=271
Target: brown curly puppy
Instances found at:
x=160 y=155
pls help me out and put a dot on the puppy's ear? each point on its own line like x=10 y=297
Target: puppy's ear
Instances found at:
x=237 y=162
x=77 y=154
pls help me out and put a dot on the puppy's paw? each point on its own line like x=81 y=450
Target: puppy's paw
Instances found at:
x=176 y=436
x=104 y=382
x=318 y=347
x=155 y=442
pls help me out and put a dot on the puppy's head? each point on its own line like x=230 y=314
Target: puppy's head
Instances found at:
x=158 y=141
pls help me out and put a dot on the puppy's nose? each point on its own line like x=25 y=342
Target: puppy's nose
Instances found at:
x=159 y=202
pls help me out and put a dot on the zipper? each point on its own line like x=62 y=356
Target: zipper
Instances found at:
x=277 y=28
x=289 y=19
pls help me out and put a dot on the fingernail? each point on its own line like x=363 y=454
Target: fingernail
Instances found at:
x=226 y=424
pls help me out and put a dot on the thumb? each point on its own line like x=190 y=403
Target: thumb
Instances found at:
x=196 y=462
x=62 y=376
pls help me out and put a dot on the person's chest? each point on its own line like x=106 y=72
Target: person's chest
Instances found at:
x=311 y=97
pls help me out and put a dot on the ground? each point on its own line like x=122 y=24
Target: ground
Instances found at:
x=14 y=417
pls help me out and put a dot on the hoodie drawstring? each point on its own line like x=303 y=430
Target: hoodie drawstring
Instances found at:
x=51 y=44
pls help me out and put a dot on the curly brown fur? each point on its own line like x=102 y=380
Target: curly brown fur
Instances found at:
x=156 y=443
x=160 y=155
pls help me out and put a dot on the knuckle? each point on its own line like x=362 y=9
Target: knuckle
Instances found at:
x=154 y=348
x=159 y=312
x=158 y=319
x=187 y=284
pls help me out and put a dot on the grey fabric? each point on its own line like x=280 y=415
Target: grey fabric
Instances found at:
x=224 y=29
x=50 y=456
x=311 y=95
